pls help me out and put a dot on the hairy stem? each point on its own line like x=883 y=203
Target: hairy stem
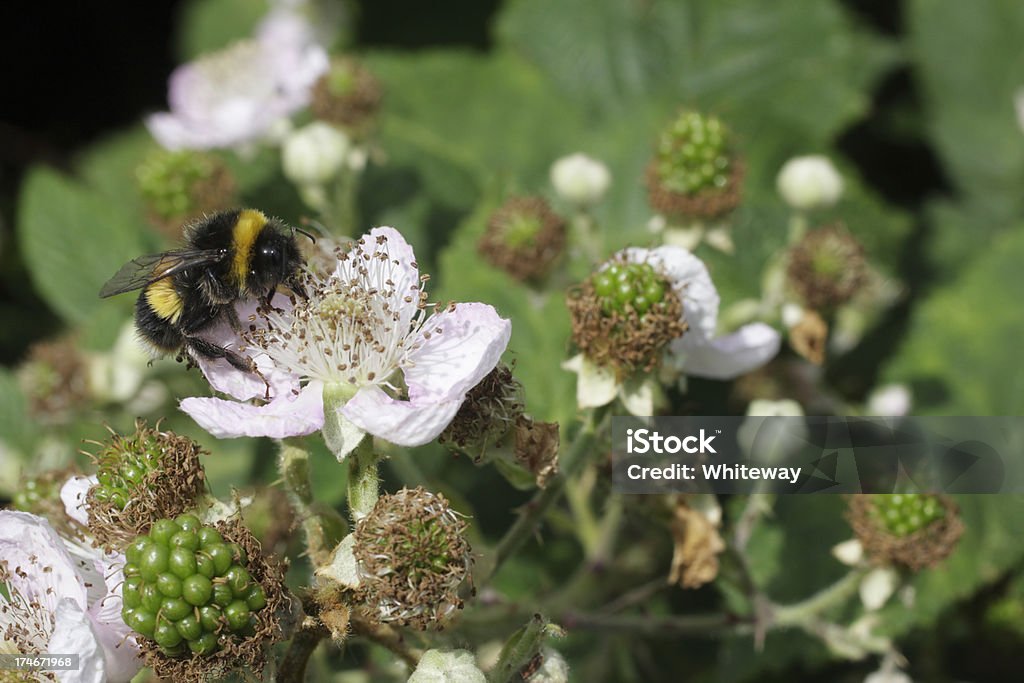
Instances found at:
x=803 y=612
x=534 y=510
x=388 y=638
x=292 y=668
x=709 y=625
x=322 y=525
x=363 y=480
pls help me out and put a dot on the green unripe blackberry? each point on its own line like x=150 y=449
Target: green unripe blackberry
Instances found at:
x=634 y=285
x=913 y=530
x=186 y=589
x=902 y=514
x=624 y=315
x=695 y=174
x=693 y=154
x=122 y=470
x=158 y=473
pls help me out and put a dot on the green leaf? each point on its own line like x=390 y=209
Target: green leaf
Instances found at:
x=15 y=427
x=108 y=167
x=970 y=58
x=461 y=119
x=208 y=25
x=787 y=64
x=962 y=354
x=72 y=241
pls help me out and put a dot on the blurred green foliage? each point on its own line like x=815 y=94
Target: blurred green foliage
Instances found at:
x=462 y=130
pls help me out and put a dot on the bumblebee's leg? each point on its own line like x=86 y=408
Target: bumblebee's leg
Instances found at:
x=211 y=351
x=232 y=317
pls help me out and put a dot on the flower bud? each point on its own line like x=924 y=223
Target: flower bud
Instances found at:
x=580 y=180
x=447 y=666
x=890 y=400
x=142 y=477
x=877 y=587
x=54 y=379
x=524 y=237
x=810 y=182
x=347 y=95
x=314 y=154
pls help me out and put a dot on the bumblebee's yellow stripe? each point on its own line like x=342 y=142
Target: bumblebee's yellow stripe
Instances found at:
x=250 y=223
x=164 y=301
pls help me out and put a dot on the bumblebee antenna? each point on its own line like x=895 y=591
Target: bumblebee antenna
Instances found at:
x=309 y=235
x=314 y=225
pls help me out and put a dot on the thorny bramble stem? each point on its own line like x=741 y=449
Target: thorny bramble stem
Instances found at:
x=533 y=512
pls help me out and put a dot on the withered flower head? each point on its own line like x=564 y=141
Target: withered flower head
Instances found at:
x=695 y=173
x=181 y=186
x=624 y=315
x=915 y=530
x=524 y=237
x=55 y=380
x=142 y=477
x=826 y=268
x=489 y=411
x=809 y=337
x=413 y=556
x=347 y=95
x=697 y=546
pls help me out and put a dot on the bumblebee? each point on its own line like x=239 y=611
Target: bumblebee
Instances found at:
x=229 y=256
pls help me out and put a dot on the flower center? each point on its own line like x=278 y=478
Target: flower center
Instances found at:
x=239 y=71
x=358 y=326
x=521 y=230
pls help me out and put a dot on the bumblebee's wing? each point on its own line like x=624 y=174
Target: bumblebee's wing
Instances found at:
x=146 y=270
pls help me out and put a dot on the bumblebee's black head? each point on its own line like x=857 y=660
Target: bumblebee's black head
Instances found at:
x=275 y=259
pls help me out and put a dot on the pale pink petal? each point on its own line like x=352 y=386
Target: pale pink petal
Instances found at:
x=72 y=494
x=283 y=417
x=405 y=423
x=730 y=356
x=120 y=651
x=399 y=272
x=457 y=348
x=170 y=131
x=25 y=536
x=73 y=633
x=227 y=379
